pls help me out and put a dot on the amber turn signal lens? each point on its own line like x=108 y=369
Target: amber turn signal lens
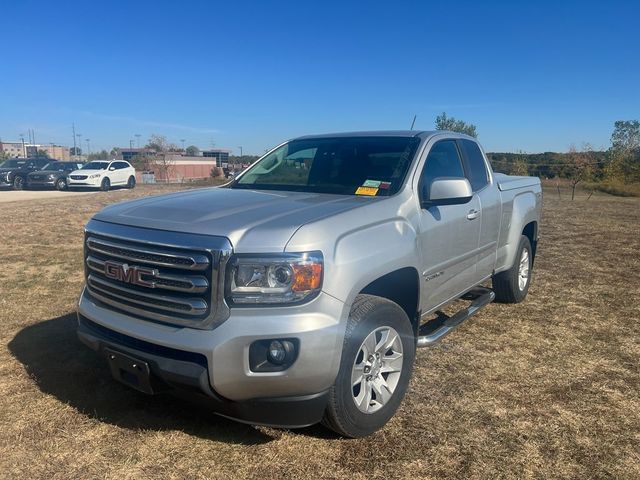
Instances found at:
x=306 y=277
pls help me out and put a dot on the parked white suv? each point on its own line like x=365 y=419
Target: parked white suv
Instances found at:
x=103 y=174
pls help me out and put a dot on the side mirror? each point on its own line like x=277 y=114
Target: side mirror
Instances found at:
x=446 y=191
x=111 y=169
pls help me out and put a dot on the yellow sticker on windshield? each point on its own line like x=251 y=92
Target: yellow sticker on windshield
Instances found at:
x=369 y=191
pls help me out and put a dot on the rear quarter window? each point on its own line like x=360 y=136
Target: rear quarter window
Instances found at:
x=476 y=167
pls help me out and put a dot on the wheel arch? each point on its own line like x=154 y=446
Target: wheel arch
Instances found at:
x=401 y=286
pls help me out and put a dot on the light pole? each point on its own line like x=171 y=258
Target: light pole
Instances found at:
x=24 y=154
x=88 y=146
x=137 y=135
x=130 y=144
x=182 y=140
x=79 y=135
x=240 y=147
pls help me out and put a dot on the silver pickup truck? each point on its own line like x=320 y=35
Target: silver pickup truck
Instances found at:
x=299 y=292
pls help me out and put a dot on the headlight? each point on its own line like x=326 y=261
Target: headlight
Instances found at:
x=274 y=279
x=95 y=175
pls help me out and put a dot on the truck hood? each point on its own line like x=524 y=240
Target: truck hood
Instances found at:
x=254 y=221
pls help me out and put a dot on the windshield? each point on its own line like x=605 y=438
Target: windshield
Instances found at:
x=371 y=166
x=52 y=166
x=12 y=163
x=96 y=166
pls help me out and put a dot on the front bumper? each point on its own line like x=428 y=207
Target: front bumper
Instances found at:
x=41 y=183
x=217 y=361
x=87 y=182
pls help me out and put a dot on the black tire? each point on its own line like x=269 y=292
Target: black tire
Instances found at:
x=61 y=184
x=506 y=284
x=131 y=183
x=105 y=185
x=19 y=183
x=368 y=313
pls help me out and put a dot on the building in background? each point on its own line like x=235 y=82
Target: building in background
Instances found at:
x=220 y=154
x=20 y=149
x=56 y=152
x=13 y=149
x=128 y=154
x=174 y=168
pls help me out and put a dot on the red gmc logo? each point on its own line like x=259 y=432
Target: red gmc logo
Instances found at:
x=129 y=273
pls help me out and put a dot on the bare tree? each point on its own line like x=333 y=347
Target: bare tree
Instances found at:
x=162 y=161
x=580 y=166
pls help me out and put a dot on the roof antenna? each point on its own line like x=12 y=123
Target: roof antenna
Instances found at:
x=414 y=121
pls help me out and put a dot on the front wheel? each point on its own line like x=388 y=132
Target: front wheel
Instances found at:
x=18 y=183
x=512 y=286
x=105 y=185
x=376 y=364
x=131 y=183
x=61 y=184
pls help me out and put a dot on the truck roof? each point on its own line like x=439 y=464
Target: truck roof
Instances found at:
x=381 y=133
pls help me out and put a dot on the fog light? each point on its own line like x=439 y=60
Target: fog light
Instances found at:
x=277 y=352
x=273 y=354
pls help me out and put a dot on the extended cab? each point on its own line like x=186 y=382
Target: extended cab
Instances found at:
x=299 y=292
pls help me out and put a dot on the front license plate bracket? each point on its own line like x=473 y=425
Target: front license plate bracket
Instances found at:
x=129 y=370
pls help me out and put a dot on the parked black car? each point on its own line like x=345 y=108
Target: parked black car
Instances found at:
x=54 y=174
x=13 y=172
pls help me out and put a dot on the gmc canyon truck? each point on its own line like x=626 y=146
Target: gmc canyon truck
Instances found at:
x=299 y=292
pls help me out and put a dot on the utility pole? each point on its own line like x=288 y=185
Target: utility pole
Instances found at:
x=88 y=147
x=24 y=153
x=130 y=144
x=137 y=135
x=182 y=140
x=75 y=149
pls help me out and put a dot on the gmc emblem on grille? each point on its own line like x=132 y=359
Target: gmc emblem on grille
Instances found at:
x=129 y=273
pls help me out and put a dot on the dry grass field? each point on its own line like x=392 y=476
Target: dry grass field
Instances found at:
x=546 y=389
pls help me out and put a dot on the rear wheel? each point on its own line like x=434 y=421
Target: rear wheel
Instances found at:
x=105 y=185
x=512 y=286
x=376 y=364
x=61 y=184
x=18 y=183
x=131 y=183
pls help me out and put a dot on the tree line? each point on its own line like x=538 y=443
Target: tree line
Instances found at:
x=619 y=164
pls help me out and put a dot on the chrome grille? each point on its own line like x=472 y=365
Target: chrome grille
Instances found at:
x=78 y=177
x=169 y=284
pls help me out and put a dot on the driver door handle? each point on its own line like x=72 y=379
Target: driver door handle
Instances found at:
x=473 y=214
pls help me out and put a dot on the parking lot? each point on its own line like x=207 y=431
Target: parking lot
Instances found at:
x=546 y=389
x=10 y=195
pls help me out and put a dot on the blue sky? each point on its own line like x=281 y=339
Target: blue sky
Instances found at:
x=533 y=76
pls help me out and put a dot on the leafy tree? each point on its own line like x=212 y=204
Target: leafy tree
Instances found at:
x=192 y=151
x=520 y=167
x=580 y=167
x=42 y=154
x=624 y=154
x=160 y=144
x=449 y=123
x=101 y=155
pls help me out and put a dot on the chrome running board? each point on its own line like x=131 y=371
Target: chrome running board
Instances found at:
x=480 y=296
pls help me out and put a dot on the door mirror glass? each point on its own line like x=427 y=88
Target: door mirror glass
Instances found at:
x=446 y=191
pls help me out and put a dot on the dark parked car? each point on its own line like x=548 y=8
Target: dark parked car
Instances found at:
x=13 y=172
x=54 y=174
